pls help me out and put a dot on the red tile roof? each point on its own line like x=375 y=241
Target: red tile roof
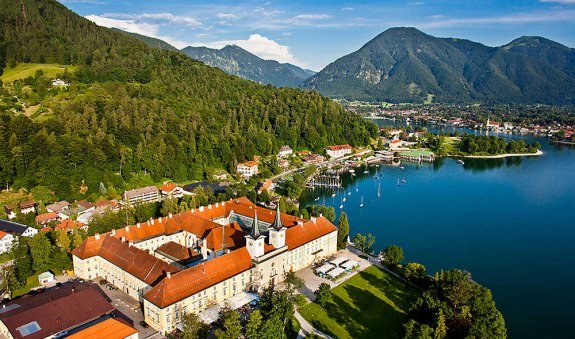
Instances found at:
x=302 y=234
x=176 y=251
x=57 y=310
x=339 y=147
x=231 y=236
x=2 y=234
x=195 y=279
x=111 y=328
x=69 y=224
x=168 y=187
x=45 y=217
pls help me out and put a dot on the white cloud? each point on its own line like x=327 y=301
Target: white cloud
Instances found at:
x=518 y=18
x=158 y=18
x=143 y=28
x=347 y=9
x=259 y=45
x=227 y=16
x=311 y=17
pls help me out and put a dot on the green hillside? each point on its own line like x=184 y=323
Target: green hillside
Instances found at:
x=22 y=71
x=407 y=65
x=132 y=108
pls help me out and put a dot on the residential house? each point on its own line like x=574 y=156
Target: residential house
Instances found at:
x=46 y=218
x=17 y=229
x=141 y=195
x=220 y=175
x=69 y=225
x=265 y=186
x=247 y=169
x=6 y=241
x=313 y=159
x=59 y=82
x=10 y=212
x=58 y=206
x=46 y=278
x=338 y=151
x=283 y=163
x=28 y=206
x=171 y=190
x=285 y=151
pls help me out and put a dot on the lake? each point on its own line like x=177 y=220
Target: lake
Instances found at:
x=510 y=222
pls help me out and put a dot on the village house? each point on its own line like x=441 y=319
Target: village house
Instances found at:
x=338 y=151
x=57 y=207
x=6 y=241
x=230 y=248
x=265 y=186
x=491 y=125
x=141 y=195
x=171 y=190
x=28 y=206
x=285 y=151
x=313 y=159
x=69 y=226
x=220 y=175
x=10 y=212
x=247 y=169
x=45 y=218
x=59 y=82
x=15 y=230
x=283 y=163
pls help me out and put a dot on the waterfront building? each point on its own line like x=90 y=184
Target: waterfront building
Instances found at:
x=190 y=261
x=417 y=155
x=248 y=169
x=141 y=195
x=338 y=151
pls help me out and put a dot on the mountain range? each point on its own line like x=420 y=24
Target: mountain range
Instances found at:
x=237 y=61
x=407 y=65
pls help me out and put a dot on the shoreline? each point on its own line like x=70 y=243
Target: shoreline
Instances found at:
x=507 y=155
x=562 y=142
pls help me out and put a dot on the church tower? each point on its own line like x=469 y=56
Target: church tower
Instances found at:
x=255 y=241
x=277 y=231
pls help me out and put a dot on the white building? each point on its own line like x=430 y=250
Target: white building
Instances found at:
x=10 y=230
x=248 y=169
x=285 y=151
x=190 y=261
x=6 y=241
x=141 y=195
x=171 y=190
x=338 y=151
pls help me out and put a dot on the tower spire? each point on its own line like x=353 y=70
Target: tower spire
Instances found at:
x=255 y=231
x=277 y=225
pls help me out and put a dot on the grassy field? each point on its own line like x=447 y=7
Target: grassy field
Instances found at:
x=22 y=71
x=372 y=304
x=30 y=283
x=450 y=145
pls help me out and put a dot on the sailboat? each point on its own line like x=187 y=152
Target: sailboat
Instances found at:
x=333 y=194
x=379 y=190
x=356 y=190
x=398 y=184
x=361 y=204
x=344 y=198
x=349 y=193
x=403 y=180
x=341 y=205
x=316 y=199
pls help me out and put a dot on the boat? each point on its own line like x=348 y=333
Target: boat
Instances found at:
x=401 y=167
x=333 y=195
x=351 y=170
x=403 y=180
x=344 y=199
x=379 y=190
x=459 y=161
x=366 y=172
x=356 y=190
x=316 y=199
x=349 y=193
x=361 y=204
x=353 y=174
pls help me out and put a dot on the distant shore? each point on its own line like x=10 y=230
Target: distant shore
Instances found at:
x=507 y=155
x=563 y=142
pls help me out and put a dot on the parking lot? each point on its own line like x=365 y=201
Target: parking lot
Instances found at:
x=130 y=308
x=312 y=281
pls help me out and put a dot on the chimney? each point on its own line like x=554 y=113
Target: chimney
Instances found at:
x=169 y=275
x=217 y=204
x=113 y=232
x=313 y=219
x=130 y=243
x=321 y=215
x=300 y=223
x=97 y=236
x=152 y=222
x=170 y=215
x=204 y=249
x=210 y=206
x=201 y=208
x=138 y=225
x=123 y=239
x=127 y=229
x=73 y=290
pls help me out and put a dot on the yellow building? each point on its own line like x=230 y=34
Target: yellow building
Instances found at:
x=189 y=261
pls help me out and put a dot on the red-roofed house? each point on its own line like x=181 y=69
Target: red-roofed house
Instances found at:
x=44 y=218
x=248 y=169
x=171 y=190
x=69 y=225
x=338 y=151
x=6 y=241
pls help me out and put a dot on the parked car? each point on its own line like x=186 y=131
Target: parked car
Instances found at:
x=144 y=324
x=103 y=282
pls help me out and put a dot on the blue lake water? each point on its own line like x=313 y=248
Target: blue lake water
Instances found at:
x=510 y=222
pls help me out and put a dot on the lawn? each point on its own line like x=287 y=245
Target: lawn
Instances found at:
x=451 y=145
x=372 y=304
x=24 y=70
x=30 y=283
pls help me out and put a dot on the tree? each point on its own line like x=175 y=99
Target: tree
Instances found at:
x=293 y=281
x=254 y=324
x=193 y=327
x=77 y=238
x=231 y=326
x=359 y=241
x=323 y=294
x=454 y=286
x=169 y=206
x=369 y=242
x=393 y=255
x=22 y=260
x=42 y=194
x=343 y=231
x=414 y=271
x=63 y=241
x=40 y=248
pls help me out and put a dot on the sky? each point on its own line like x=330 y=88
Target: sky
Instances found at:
x=312 y=34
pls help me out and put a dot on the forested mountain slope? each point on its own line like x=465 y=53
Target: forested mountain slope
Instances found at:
x=134 y=108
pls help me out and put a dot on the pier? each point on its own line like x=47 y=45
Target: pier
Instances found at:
x=324 y=181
